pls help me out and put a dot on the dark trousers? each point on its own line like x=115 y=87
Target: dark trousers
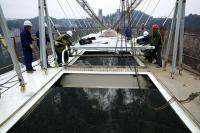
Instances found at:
x=28 y=58
x=157 y=55
x=59 y=57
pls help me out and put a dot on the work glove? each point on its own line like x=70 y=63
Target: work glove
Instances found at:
x=56 y=43
x=34 y=38
x=3 y=41
x=32 y=46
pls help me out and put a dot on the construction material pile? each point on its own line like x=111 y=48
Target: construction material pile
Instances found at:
x=109 y=33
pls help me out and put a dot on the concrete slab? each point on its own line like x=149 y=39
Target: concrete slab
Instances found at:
x=181 y=87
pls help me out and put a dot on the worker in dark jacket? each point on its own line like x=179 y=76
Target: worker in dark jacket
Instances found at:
x=128 y=33
x=46 y=38
x=27 y=46
x=156 y=41
x=61 y=42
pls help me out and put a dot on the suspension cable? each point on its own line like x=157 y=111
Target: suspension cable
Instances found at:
x=163 y=24
x=64 y=12
x=138 y=13
x=152 y=12
x=86 y=19
x=73 y=13
x=143 y=13
x=78 y=11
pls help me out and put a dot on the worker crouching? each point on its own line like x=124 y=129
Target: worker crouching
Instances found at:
x=27 y=46
x=61 y=42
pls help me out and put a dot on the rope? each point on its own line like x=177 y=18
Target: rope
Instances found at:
x=190 y=98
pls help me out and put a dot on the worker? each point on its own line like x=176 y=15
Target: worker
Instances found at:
x=128 y=33
x=156 y=41
x=27 y=45
x=61 y=42
x=146 y=37
x=46 y=36
x=141 y=29
x=47 y=39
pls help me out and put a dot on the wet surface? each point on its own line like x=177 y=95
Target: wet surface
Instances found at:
x=101 y=110
x=125 y=59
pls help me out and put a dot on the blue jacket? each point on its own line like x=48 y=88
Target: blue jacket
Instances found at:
x=128 y=32
x=38 y=36
x=26 y=39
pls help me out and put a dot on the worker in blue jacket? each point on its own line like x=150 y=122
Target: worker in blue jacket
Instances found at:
x=46 y=38
x=27 y=46
x=128 y=33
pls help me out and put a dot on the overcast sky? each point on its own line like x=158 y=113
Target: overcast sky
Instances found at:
x=29 y=8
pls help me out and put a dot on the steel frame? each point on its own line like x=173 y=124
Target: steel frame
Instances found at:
x=176 y=106
x=176 y=37
x=11 y=49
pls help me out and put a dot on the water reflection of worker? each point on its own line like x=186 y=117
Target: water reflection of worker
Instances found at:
x=61 y=42
x=47 y=39
x=27 y=46
x=156 y=41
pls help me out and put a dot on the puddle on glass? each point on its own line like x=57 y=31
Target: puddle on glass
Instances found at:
x=122 y=60
x=101 y=110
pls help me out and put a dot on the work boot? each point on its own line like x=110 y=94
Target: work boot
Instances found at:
x=70 y=55
x=158 y=66
x=48 y=66
x=29 y=71
x=33 y=69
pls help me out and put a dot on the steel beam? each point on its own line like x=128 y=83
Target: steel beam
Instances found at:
x=50 y=31
x=171 y=36
x=11 y=50
x=42 y=34
x=182 y=36
x=177 y=35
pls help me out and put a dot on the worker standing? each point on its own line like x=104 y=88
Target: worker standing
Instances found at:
x=128 y=33
x=61 y=42
x=47 y=39
x=156 y=41
x=27 y=46
x=141 y=29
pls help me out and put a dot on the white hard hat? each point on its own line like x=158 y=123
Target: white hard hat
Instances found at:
x=27 y=23
x=69 y=32
x=45 y=24
x=145 y=33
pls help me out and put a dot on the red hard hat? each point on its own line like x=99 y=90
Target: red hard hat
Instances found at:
x=155 y=27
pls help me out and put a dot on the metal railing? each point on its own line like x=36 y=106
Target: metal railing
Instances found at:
x=8 y=67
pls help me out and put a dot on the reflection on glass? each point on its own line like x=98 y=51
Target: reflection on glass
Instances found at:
x=101 y=110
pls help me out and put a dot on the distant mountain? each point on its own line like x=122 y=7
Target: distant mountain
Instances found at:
x=192 y=22
x=61 y=24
